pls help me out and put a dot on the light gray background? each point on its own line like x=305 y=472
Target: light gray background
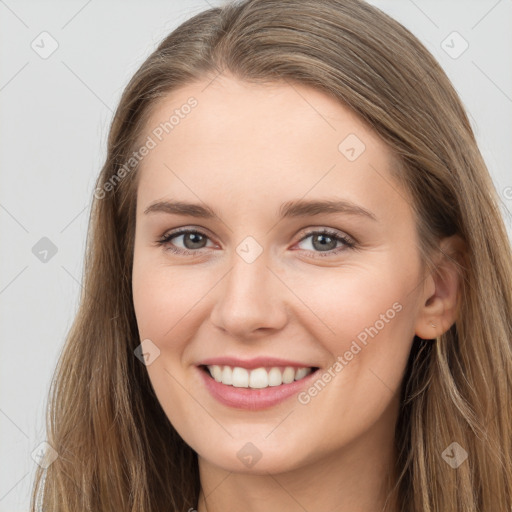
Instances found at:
x=53 y=127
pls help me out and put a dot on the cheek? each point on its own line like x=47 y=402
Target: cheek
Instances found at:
x=361 y=316
x=336 y=306
x=347 y=301
x=164 y=296
x=164 y=300
x=364 y=318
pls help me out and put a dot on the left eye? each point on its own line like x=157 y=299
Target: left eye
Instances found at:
x=327 y=241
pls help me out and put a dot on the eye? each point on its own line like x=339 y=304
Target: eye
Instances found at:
x=324 y=242
x=192 y=239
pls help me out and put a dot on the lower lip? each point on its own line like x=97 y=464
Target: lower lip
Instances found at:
x=253 y=399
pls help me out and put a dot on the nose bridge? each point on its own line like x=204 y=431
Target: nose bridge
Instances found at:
x=245 y=280
x=249 y=297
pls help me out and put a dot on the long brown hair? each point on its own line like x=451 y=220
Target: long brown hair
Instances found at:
x=117 y=449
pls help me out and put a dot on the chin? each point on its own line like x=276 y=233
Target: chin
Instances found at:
x=254 y=458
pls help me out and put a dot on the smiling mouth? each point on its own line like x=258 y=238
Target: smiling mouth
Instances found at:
x=257 y=378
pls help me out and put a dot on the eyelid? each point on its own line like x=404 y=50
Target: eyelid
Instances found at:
x=167 y=236
x=307 y=231
x=310 y=230
x=348 y=241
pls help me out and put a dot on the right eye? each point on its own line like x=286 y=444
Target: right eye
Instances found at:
x=190 y=236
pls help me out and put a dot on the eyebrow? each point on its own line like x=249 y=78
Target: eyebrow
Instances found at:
x=290 y=209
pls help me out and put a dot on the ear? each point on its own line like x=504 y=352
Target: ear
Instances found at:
x=440 y=301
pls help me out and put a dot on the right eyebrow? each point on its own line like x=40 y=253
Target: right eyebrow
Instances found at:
x=181 y=208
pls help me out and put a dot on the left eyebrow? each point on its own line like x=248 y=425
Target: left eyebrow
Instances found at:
x=290 y=209
x=303 y=208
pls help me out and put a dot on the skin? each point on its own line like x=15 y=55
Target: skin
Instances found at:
x=245 y=150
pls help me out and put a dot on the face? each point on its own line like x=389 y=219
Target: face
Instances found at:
x=304 y=283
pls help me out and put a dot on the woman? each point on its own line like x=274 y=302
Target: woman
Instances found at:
x=340 y=337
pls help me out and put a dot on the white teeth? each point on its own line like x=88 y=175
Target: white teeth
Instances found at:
x=301 y=373
x=216 y=372
x=288 y=375
x=275 y=378
x=240 y=377
x=227 y=376
x=257 y=378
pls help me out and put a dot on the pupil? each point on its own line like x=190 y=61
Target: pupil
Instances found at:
x=322 y=240
x=195 y=238
x=322 y=245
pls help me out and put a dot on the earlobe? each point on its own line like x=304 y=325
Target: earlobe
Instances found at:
x=441 y=300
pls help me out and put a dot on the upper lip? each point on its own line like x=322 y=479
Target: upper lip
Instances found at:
x=257 y=362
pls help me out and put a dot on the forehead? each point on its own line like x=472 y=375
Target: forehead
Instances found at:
x=227 y=109
x=261 y=141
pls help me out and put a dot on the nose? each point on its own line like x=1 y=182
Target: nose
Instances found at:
x=251 y=300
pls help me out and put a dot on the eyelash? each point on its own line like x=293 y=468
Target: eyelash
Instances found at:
x=348 y=243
